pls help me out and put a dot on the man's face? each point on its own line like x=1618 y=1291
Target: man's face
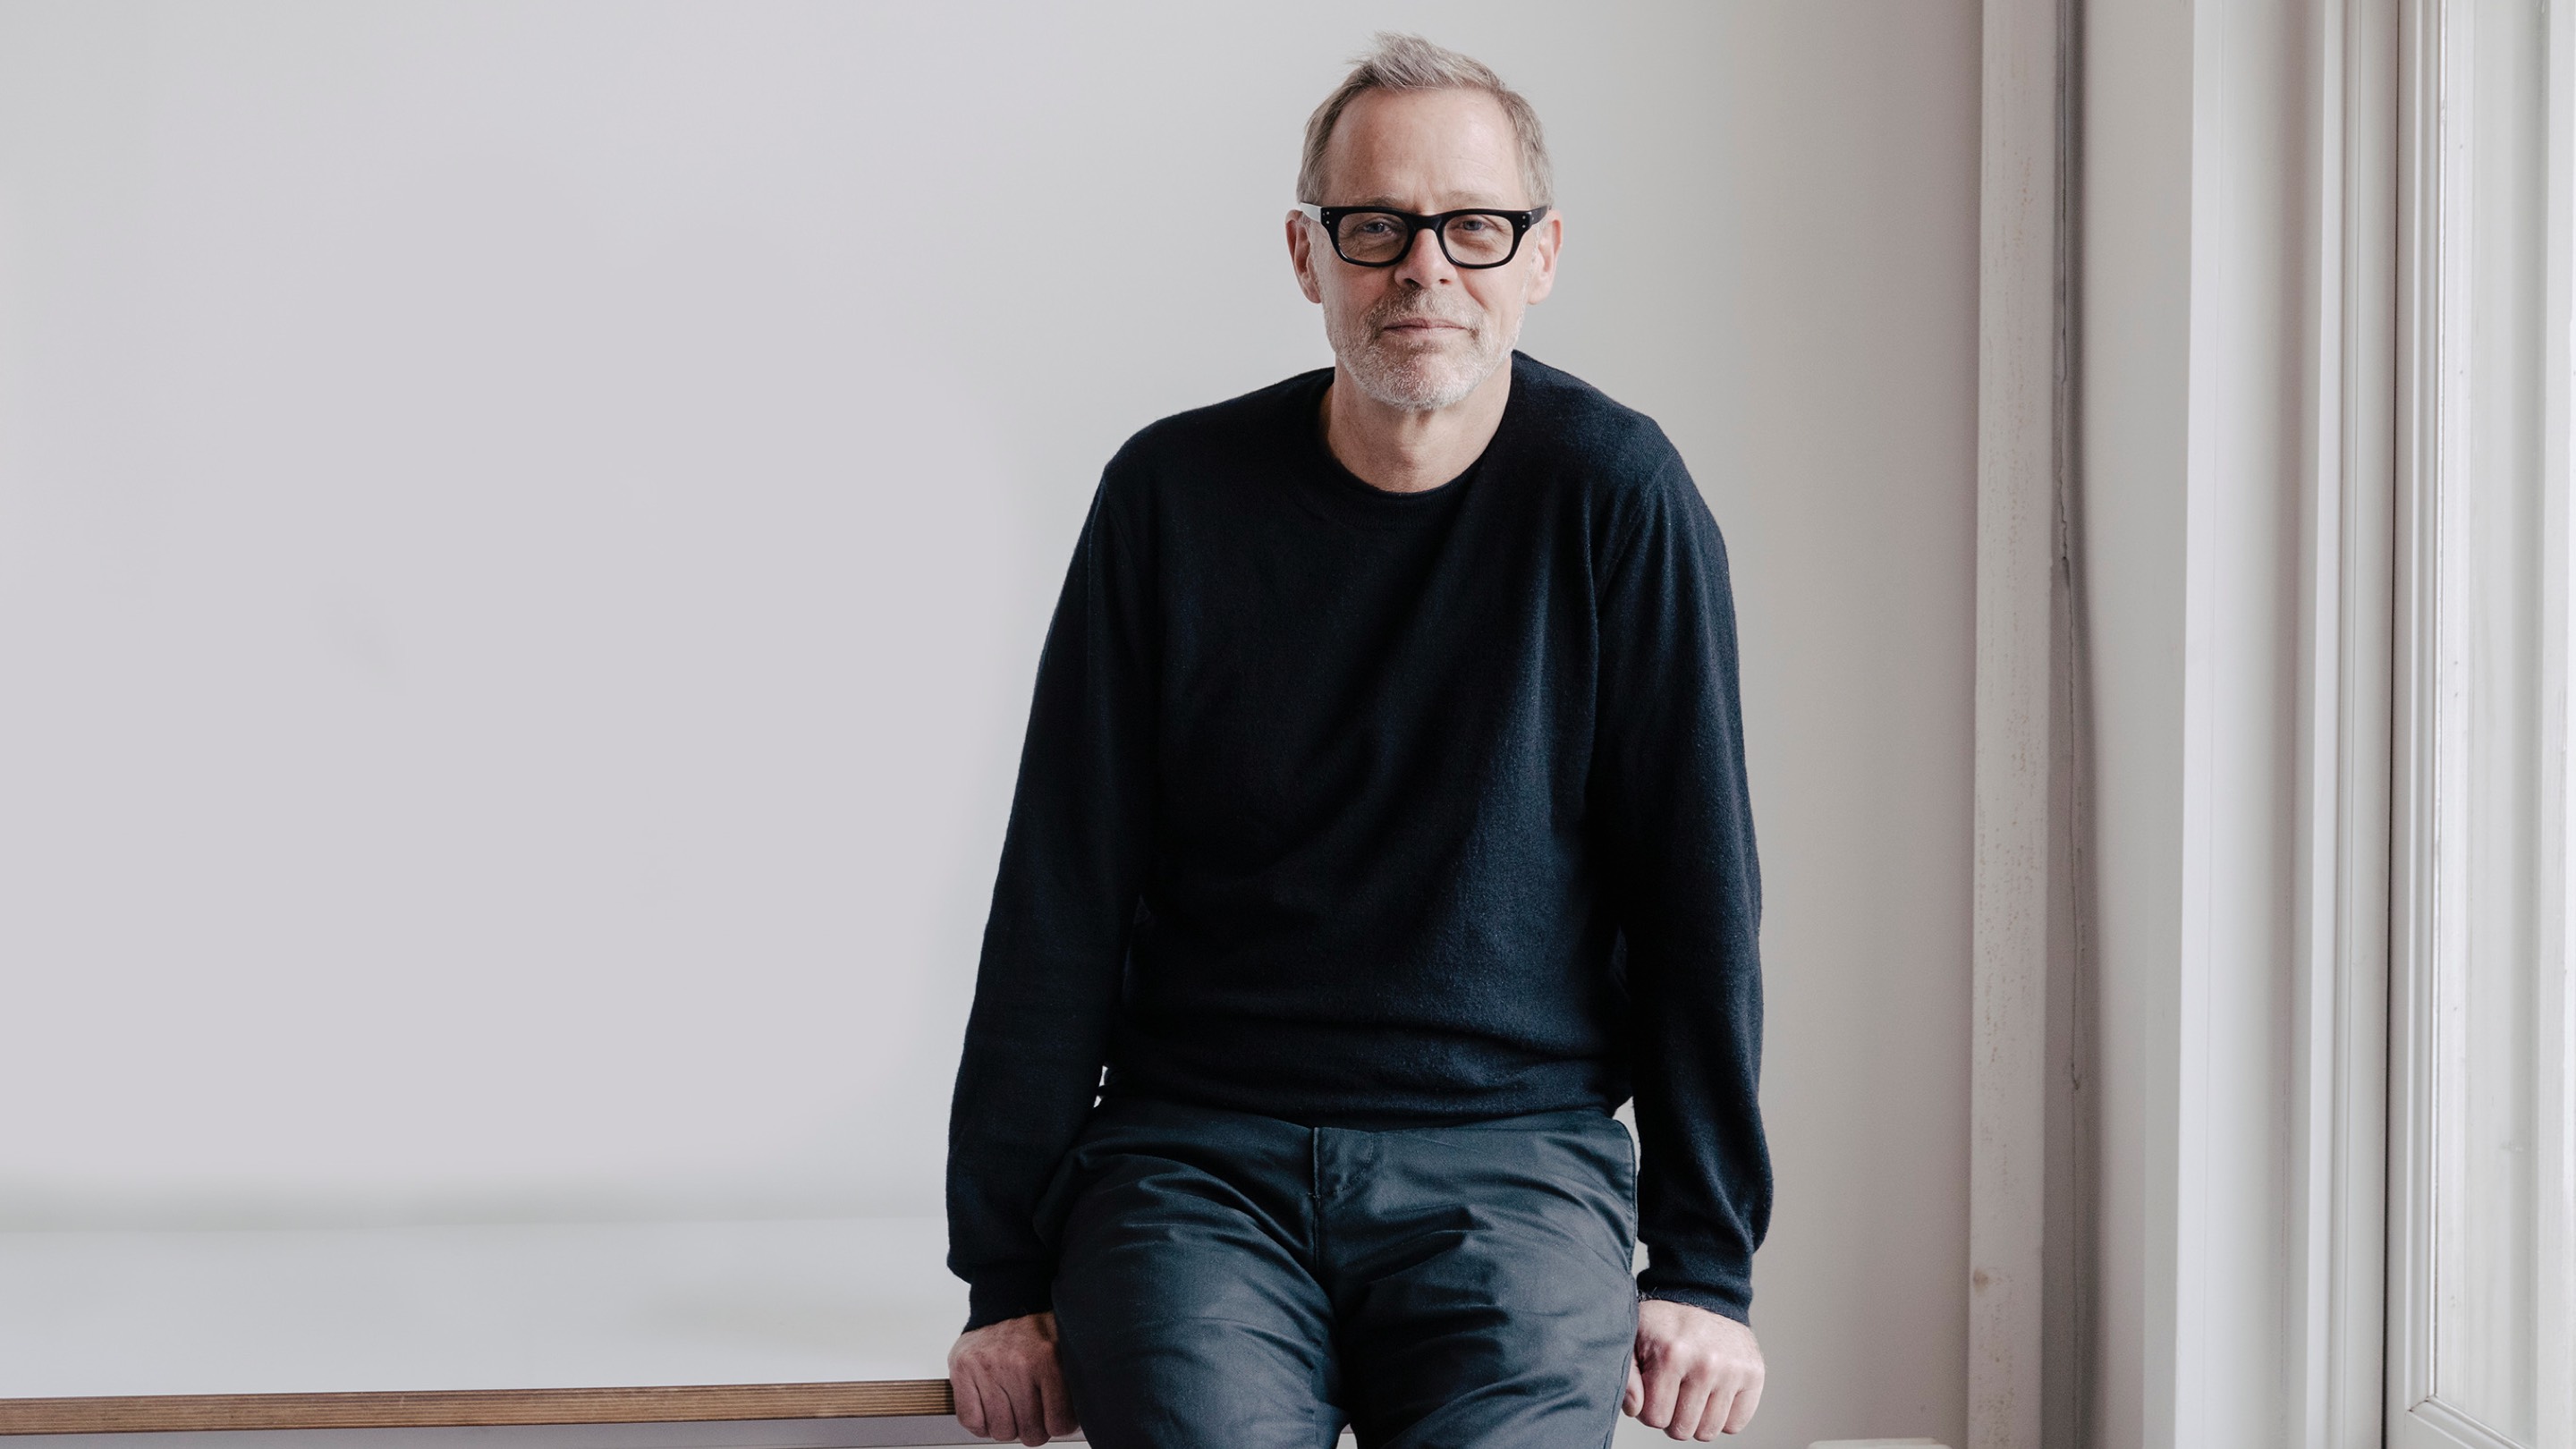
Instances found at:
x=1422 y=334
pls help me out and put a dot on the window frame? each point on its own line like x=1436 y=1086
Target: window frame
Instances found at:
x=2428 y=748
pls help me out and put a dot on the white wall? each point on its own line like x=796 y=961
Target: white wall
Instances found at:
x=524 y=533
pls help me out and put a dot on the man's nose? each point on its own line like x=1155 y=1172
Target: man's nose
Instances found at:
x=1425 y=264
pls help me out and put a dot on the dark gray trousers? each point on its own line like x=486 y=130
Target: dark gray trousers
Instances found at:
x=1231 y=1281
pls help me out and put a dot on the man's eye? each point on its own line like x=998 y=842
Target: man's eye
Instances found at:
x=1473 y=224
x=1375 y=226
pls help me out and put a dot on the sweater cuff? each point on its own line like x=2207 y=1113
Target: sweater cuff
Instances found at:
x=1014 y=1291
x=1737 y=1306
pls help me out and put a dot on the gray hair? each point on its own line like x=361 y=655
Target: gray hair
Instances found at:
x=1411 y=63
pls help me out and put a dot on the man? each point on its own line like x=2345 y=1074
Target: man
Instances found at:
x=1381 y=827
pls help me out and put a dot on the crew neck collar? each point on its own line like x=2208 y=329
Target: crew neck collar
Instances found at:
x=1342 y=482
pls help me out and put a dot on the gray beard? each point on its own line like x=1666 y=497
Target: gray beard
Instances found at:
x=1416 y=381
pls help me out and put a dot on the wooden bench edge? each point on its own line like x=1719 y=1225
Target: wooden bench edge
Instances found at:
x=475 y=1408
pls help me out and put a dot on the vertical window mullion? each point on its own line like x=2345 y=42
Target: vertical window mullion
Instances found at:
x=2480 y=1216
x=2554 y=1158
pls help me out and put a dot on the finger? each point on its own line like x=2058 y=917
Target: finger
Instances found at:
x=1028 y=1407
x=1712 y=1416
x=1690 y=1408
x=1635 y=1397
x=999 y=1422
x=970 y=1403
x=1747 y=1400
x=1059 y=1403
x=1031 y=1401
x=1663 y=1395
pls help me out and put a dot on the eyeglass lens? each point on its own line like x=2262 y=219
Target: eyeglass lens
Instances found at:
x=1472 y=240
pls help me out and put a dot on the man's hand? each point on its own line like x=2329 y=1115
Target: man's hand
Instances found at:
x=1008 y=1382
x=1696 y=1374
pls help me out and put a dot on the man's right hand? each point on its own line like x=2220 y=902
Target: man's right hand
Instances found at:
x=1008 y=1382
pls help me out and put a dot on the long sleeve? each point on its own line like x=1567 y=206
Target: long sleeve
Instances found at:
x=1073 y=861
x=1677 y=828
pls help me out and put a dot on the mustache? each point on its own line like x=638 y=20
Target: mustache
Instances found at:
x=1386 y=315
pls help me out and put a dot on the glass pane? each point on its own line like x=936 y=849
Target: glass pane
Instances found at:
x=1372 y=236
x=1478 y=239
x=2486 y=1202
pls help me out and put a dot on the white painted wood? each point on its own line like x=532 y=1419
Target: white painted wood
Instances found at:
x=2135 y=93
x=2251 y=248
x=2017 y=455
x=2480 y=1282
x=2339 y=958
x=2554 y=1175
x=2420 y=317
x=2427 y=827
x=2227 y=544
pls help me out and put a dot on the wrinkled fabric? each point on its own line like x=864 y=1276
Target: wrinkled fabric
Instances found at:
x=1235 y=1281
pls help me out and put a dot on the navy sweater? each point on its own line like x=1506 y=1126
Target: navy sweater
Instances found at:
x=1371 y=809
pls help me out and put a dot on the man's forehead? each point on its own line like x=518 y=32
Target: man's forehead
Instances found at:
x=1444 y=148
x=1435 y=200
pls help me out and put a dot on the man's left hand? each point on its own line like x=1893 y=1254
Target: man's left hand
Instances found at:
x=1696 y=1374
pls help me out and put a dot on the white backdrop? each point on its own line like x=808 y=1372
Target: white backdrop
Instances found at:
x=525 y=531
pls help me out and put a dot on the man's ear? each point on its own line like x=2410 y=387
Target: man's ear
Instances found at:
x=1543 y=241
x=1301 y=256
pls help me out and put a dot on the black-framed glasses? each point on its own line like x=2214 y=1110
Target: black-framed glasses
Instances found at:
x=1375 y=236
